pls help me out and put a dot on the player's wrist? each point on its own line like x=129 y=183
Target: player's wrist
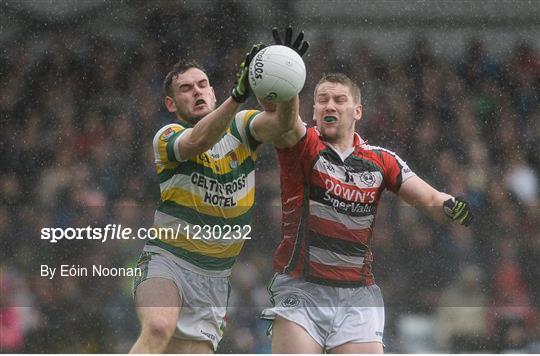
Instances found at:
x=237 y=97
x=239 y=92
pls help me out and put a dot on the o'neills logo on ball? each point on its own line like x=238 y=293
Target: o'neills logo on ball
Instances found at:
x=271 y=96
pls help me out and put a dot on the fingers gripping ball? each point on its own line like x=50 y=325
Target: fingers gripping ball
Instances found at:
x=240 y=91
x=277 y=73
x=299 y=46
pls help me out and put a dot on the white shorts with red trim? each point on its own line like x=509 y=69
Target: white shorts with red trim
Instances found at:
x=330 y=315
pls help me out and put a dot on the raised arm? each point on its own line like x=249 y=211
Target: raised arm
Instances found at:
x=209 y=130
x=279 y=123
x=440 y=206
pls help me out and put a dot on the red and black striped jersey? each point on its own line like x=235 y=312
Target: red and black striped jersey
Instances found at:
x=329 y=202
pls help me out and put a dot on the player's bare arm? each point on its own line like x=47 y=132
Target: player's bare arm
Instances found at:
x=209 y=130
x=276 y=120
x=438 y=205
x=292 y=136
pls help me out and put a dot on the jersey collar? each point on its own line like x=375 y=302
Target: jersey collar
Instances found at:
x=357 y=143
x=357 y=140
x=184 y=123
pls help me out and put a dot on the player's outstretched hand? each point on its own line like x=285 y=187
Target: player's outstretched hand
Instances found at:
x=299 y=46
x=459 y=210
x=240 y=91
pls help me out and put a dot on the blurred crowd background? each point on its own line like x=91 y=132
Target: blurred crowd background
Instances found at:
x=80 y=100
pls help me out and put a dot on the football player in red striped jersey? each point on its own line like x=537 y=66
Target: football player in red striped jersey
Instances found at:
x=325 y=298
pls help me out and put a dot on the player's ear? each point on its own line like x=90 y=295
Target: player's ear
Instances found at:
x=169 y=104
x=357 y=112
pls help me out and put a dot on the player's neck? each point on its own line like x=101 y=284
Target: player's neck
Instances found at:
x=190 y=120
x=343 y=144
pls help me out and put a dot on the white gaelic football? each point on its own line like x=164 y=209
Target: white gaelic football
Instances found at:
x=277 y=73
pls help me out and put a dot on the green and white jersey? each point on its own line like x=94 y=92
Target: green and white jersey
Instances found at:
x=212 y=193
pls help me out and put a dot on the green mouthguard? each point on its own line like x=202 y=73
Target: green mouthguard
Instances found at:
x=329 y=119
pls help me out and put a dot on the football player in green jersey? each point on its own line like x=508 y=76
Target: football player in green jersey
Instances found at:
x=205 y=162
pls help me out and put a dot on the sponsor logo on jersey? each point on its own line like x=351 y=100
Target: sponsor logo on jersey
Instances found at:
x=349 y=194
x=217 y=193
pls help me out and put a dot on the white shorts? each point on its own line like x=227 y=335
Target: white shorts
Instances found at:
x=204 y=298
x=332 y=316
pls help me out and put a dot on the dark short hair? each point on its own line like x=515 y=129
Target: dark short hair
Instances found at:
x=176 y=70
x=342 y=79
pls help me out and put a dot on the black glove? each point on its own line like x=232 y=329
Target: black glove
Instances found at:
x=459 y=210
x=299 y=46
x=240 y=91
